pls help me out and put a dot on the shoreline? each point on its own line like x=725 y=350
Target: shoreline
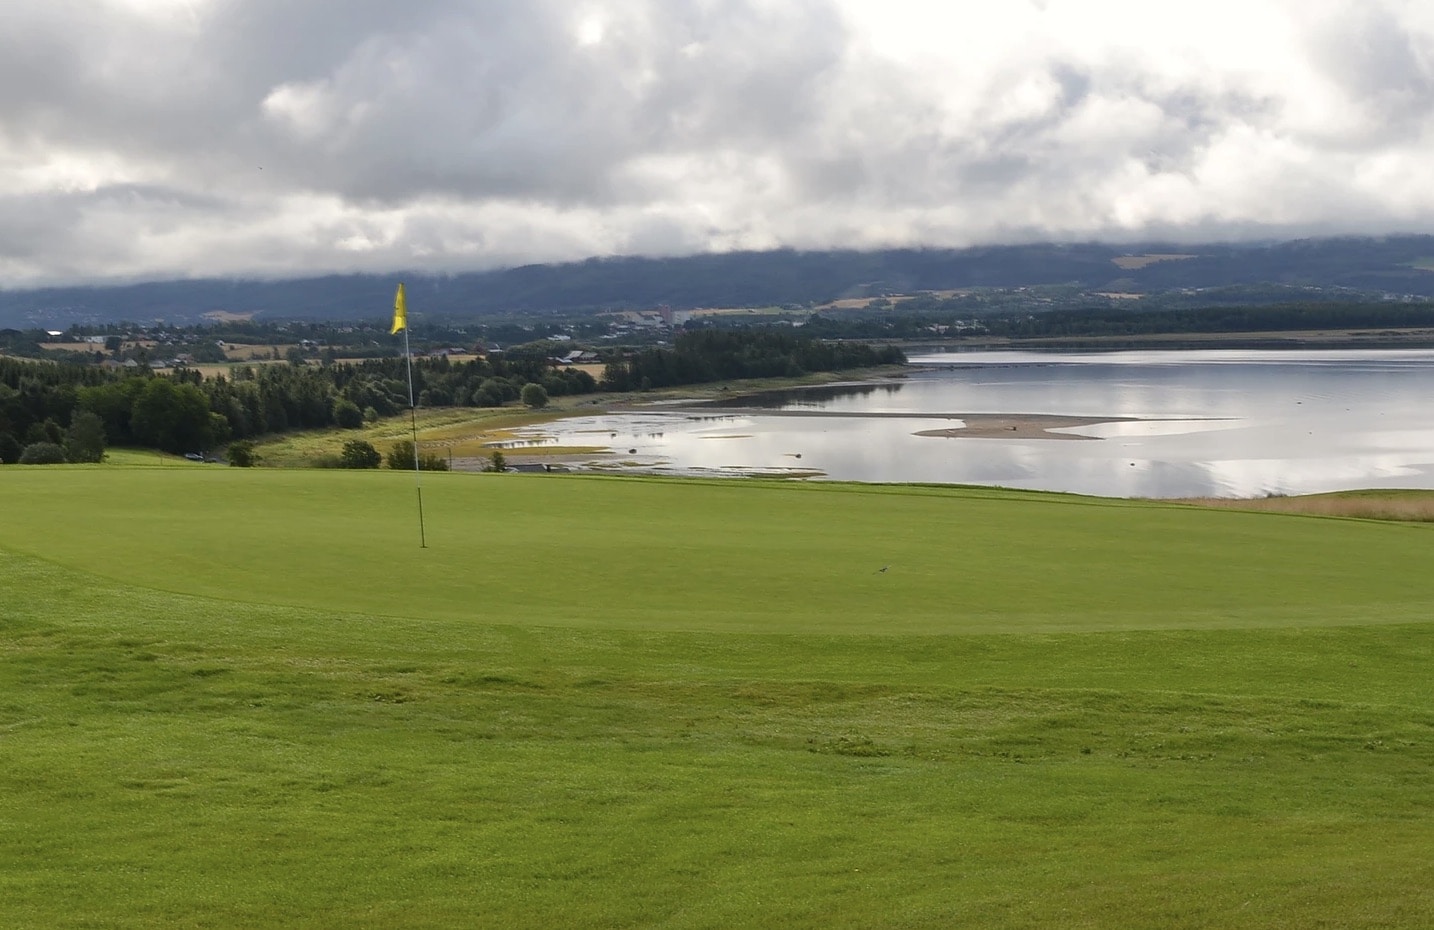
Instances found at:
x=470 y=438
x=1413 y=337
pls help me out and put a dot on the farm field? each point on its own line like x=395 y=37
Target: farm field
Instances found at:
x=248 y=697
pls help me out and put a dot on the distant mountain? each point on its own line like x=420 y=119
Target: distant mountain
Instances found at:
x=1397 y=265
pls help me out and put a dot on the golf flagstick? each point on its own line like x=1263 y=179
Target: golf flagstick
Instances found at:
x=400 y=321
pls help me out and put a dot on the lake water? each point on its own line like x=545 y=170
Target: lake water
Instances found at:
x=1227 y=423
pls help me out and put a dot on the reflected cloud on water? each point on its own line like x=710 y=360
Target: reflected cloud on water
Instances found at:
x=1231 y=423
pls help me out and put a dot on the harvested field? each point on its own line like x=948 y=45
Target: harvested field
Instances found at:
x=1134 y=262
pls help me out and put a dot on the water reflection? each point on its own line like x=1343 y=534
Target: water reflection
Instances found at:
x=1225 y=423
x=827 y=396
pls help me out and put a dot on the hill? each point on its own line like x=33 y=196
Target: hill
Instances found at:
x=1368 y=267
x=247 y=697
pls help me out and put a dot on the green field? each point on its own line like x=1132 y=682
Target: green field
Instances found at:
x=237 y=697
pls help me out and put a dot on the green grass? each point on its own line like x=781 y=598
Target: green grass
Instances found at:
x=148 y=457
x=248 y=698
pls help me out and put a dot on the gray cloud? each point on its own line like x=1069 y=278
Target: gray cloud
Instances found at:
x=143 y=138
x=1386 y=68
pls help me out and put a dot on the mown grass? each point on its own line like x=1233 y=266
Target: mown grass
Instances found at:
x=1048 y=711
x=149 y=458
x=755 y=556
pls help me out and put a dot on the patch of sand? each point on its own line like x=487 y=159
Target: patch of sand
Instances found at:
x=1018 y=426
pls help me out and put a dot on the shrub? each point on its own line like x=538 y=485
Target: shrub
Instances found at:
x=535 y=396
x=42 y=453
x=401 y=457
x=242 y=455
x=359 y=454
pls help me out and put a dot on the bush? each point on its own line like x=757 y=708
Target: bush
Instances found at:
x=347 y=415
x=535 y=396
x=359 y=454
x=42 y=453
x=401 y=457
x=48 y=431
x=242 y=455
x=499 y=463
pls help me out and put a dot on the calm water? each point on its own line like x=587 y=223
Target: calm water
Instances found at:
x=1228 y=423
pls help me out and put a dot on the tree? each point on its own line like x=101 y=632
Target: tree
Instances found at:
x=42 y=453
x=10 y=449
x=359 y=454
x=85 y=439
x=535 y=396
x=47 y=431
x=241 y=454
x=499 y=463
x=219 y=430
x=209 y=352
x=347 y=414
x=489 y=393
x=114 y=404
x=173 y=417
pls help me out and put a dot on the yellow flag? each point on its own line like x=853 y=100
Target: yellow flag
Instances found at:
x=400 y=312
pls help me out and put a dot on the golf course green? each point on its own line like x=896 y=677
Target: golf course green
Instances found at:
x=249 y=697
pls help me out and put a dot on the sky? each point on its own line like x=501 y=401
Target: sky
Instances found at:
x=156 y=139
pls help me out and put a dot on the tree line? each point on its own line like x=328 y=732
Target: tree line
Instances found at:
x=1246 y=319
x=908 y=320
x=720 y=355
x=186 y=412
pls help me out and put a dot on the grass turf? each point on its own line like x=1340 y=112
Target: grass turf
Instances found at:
x=249 y=698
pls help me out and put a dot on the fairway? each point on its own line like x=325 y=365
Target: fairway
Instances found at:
x=239 y=697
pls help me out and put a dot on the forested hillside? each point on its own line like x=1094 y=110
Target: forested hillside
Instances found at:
x=1366 y=266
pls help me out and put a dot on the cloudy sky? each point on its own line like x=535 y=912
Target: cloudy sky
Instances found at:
x=144 y=139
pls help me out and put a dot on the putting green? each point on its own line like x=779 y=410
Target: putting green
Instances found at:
x=629 y=553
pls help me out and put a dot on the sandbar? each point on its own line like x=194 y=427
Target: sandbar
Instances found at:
x=1019 y=426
